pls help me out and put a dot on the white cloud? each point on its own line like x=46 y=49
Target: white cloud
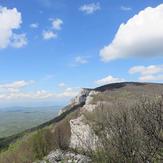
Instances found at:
x=141 y=36
x=18 y=40
x=15 y=86
x=151 y=78
x=68 y=92
x=57 y=23
x=109 y=79
x=126 y=8
x=38 y=95
x=47 y=35
x=81 y=60
x=14 y=92
x=90 y=8
x=148 y=73
x=10 y=20
x=149 y=70
x=51 y=33
x=34 y=25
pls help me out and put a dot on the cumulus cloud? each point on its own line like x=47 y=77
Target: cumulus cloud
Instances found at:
x=148 y=73
x=79 y=60
x=18 y=40
x=26 y=96
x=14 y=92
x=34 y=25
x=68 y=92
x=15 y=86
x=51 y=33
x=47 y=35
x=90 y=8
x=109 y=79
x=141 y=36
x=151 y=78
x=148 y=70
x=38 y=95
x=57 y=23
x=10 y=20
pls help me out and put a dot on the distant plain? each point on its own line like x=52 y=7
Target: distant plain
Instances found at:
x=16 y=119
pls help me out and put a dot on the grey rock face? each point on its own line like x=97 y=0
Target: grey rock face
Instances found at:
x=59 y=156
x=81 y=97
x=82 y=135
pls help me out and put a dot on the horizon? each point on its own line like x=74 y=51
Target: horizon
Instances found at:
x=48 y=54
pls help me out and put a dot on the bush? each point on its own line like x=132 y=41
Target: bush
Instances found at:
x=42 y=143
x=30 y=148
x=19 y=152
x=62 y=134
x=129 y=135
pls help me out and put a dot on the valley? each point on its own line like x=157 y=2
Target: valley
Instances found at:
x=17 y=119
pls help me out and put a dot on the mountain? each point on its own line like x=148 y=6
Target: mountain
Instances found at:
x=120 y=122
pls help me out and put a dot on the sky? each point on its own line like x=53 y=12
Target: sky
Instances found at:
x=50 y=49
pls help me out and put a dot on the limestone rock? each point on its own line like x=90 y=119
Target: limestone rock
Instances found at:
x=82 y=136
x=60 y=156
x=81 y=97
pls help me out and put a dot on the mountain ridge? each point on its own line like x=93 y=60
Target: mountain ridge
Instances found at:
x=4 y=142
x=73 y=121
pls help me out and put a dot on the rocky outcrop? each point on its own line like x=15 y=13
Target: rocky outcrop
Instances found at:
x=82 y=135
x=59 y=156
x=81 y=97
x=89 y=105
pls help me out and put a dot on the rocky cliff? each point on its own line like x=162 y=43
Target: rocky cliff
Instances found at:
x=83 y=137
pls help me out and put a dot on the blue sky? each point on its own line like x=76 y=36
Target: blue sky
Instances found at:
x=56 y=47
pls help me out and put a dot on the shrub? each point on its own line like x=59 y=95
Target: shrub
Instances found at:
x=19 y=152
x=42 y=143
x=62 y=135
x=129 y=135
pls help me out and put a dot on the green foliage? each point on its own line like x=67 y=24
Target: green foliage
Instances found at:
x=31 y=147
x=42 y=143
